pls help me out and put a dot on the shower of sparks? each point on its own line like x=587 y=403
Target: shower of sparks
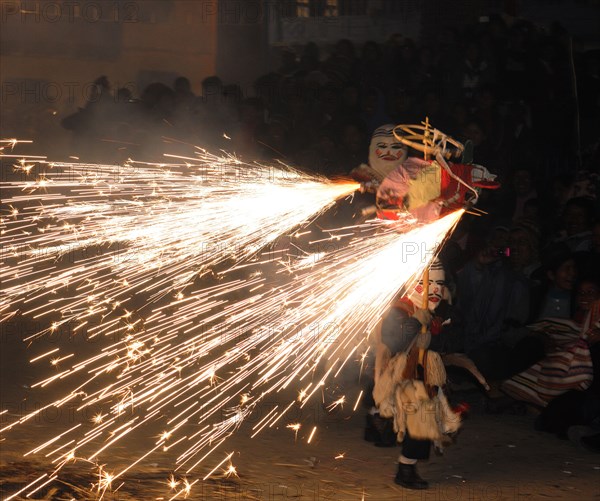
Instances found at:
x=82 y=239
x=340 y=401
x=357 y=401
x=172 y=483
x=312 y=433
x=193 y=359
x=257 y=345
x=229 y=471
x=296 y=427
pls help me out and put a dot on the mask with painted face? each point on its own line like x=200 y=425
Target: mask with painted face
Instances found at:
x=386 y=153
x=437 y=287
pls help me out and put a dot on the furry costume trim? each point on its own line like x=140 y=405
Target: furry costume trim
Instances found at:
x=424 y=417
x=407 y=400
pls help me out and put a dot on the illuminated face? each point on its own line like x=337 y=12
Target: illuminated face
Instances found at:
x=437 y=287
x=587 y=293
x=385 y=151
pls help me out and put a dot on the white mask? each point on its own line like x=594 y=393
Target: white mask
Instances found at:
x=437 y=287
x=386 y=153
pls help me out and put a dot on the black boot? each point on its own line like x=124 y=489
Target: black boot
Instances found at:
x=408 y=477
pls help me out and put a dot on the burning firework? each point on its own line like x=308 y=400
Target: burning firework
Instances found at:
x=185 y=353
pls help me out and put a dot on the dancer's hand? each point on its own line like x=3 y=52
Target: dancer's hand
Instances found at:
x=423 y=316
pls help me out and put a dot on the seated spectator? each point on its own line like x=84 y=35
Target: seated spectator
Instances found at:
x=232 y=97
x=184 y=97
x=310 y=59
x=577 y=220
x=488 y=114
x=492 y=299
x=250 y=125
x=483 y=151
x=585 y=410
x=372 y=109
x=289 y=62
x=352 y=146
x=558 y=281
x=321 y=154
x=531 y=212
x=92 y=122
x=274 y=139
x=341 y=65
x=520 y=190
x=400 y=106
x=158 y=101
x=430 y=105
x=371 y=64
x=561 y=382
x=588 y=292
x=523 y=248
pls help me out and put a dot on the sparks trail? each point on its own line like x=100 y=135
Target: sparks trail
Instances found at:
x=345 y=292
x=85 y=238
x=195 y=352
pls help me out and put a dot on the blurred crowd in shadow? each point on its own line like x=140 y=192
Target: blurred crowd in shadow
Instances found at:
x=517 y=92
x=529 y=101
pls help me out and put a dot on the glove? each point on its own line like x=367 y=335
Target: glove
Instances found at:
x=423 y=316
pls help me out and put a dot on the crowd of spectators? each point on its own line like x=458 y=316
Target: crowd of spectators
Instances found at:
x=527 y=98
x=524 y=96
